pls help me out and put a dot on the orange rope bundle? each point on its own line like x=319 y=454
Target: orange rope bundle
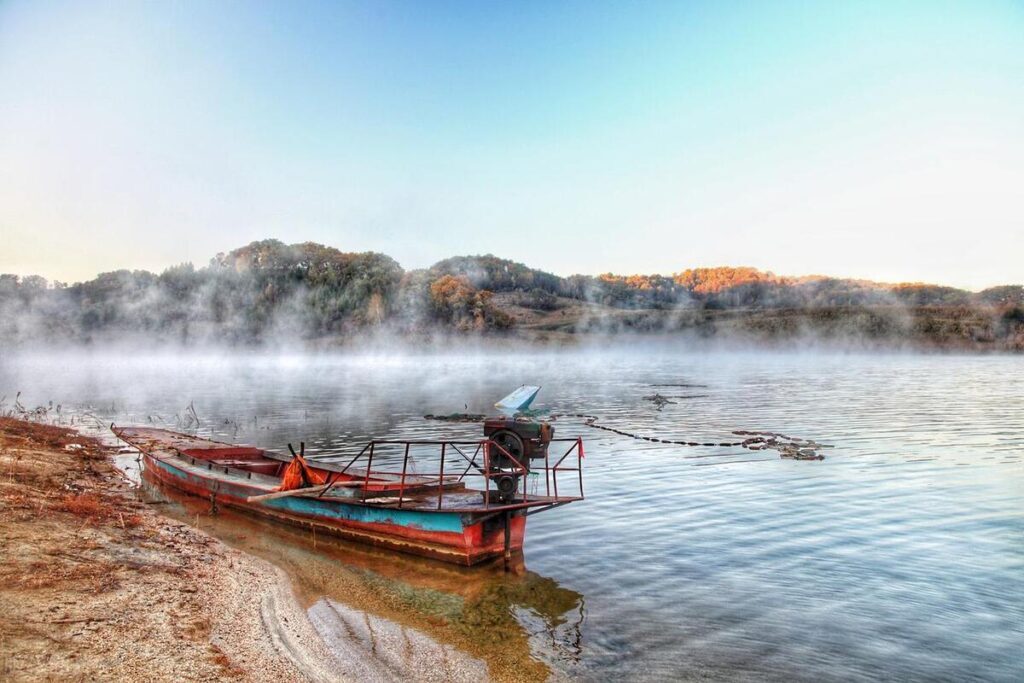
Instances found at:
x=299 y=475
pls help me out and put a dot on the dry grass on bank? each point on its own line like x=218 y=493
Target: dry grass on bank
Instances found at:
x=94 y=585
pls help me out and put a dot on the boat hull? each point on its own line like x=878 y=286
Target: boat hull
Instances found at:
x=450 y=536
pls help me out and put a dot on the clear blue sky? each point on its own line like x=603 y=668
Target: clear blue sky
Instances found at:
x=879 y=140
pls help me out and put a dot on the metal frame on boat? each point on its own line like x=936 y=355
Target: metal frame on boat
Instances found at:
x=488 y=449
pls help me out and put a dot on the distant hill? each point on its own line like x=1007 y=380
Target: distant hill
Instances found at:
x=298 y=293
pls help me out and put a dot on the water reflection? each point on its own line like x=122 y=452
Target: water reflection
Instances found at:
x=522 y=625
x=899 y=556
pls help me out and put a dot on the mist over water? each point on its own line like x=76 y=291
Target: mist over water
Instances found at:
x=899 y=556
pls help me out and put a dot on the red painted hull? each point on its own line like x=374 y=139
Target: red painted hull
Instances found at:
x=478 y=542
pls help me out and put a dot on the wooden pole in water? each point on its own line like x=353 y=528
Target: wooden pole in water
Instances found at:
x=508 y=538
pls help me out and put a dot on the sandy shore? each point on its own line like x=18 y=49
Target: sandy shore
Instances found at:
x=95 y=584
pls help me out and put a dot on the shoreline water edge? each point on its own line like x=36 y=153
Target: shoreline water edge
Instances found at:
x=99 y=585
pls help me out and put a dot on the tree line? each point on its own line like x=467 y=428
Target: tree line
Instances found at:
x=302 y=291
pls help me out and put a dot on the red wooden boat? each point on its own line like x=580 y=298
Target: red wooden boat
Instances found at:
x=469 y=505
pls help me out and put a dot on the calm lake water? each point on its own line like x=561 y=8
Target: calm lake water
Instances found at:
x=900 y=556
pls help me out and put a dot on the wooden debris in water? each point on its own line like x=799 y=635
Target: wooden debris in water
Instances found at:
x=659 y=401
x=457 y=417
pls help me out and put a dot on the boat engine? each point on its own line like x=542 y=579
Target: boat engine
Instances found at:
x=523 y=439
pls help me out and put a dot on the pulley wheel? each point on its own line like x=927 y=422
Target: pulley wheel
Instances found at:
x=513 y=445
x=506 y=485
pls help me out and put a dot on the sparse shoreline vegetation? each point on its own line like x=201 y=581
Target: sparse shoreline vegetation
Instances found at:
x=311 y=293
x=88 y=567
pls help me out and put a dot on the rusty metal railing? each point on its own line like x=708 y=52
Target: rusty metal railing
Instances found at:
x=470 y=452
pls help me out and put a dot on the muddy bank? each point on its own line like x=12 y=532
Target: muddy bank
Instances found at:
x=96 y=585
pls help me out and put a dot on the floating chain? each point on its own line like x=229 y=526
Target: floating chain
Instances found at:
x=790 y=447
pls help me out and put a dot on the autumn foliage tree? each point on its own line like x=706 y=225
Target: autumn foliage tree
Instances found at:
x=715 y=280
x=455 y=300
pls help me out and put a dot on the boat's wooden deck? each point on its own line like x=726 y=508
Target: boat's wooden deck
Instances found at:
x=150 y=439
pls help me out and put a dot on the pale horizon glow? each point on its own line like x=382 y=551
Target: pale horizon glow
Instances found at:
x=872 y=140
